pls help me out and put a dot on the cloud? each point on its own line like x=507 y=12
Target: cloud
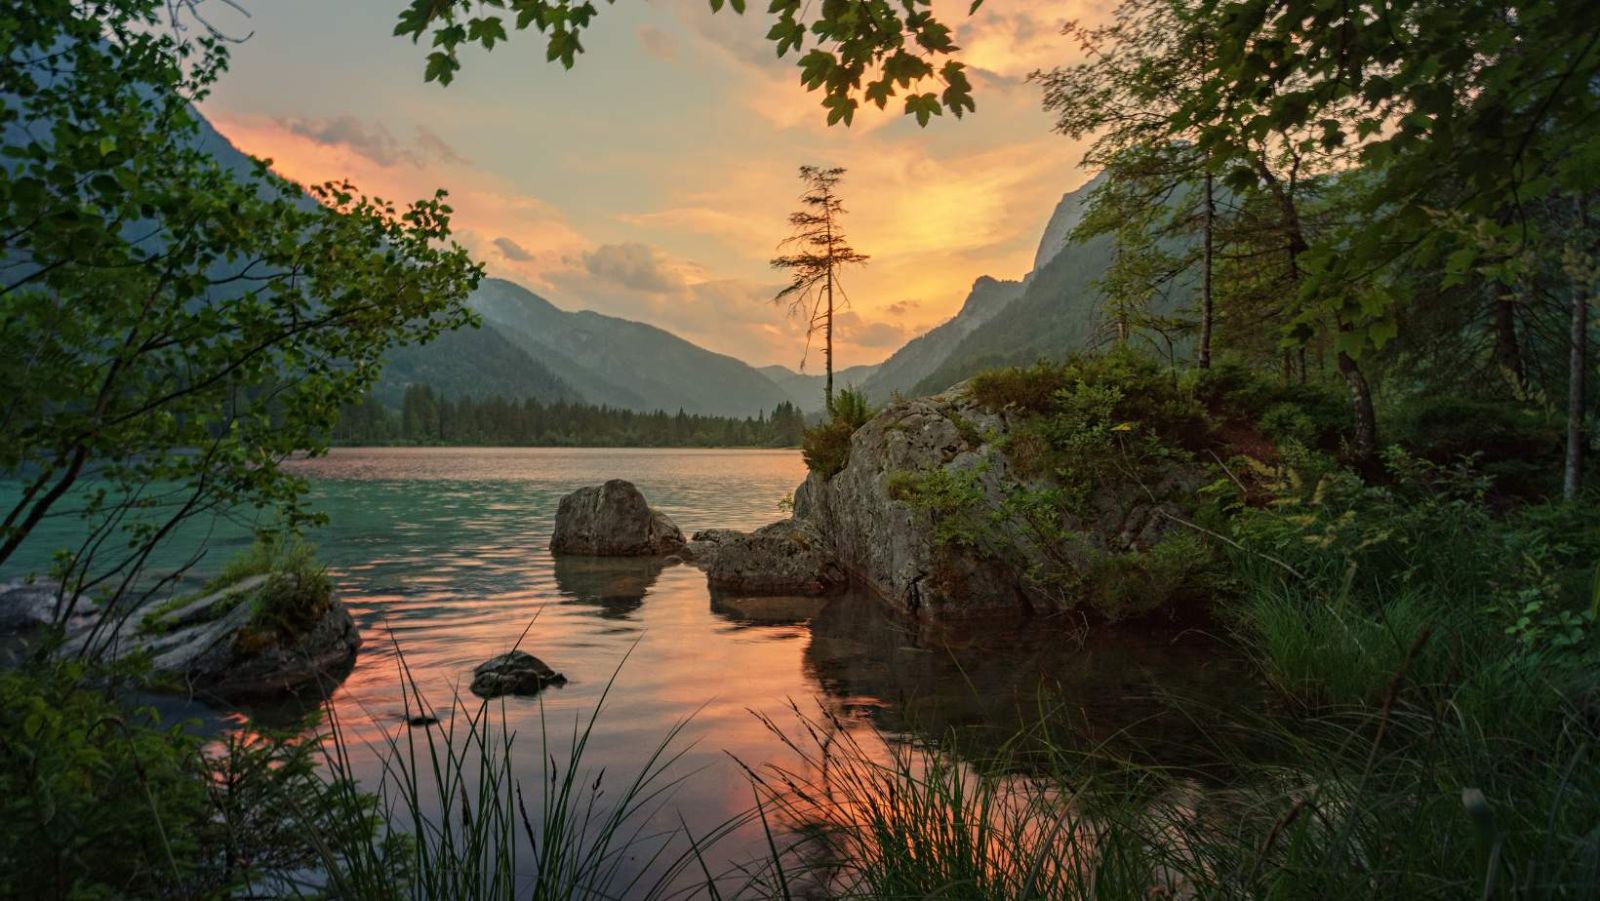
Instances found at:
x=511 y=250
x=635 y=266
x=435 y=147
x=902 y=307
x=658 y=43
x=373 y=140
x=851 y=327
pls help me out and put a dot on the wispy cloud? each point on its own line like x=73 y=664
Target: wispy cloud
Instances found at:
x=512 y=251
x=373 y=140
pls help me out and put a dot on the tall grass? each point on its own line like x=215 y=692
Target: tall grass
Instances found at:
x=460 y=825
x=1403 y=800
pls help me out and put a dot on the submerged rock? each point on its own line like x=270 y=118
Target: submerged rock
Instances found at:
x=784 y=558
x=766 y=610
x=613 y=520
x=513 y=673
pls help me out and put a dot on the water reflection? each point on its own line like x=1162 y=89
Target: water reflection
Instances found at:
x=1125 y=689
x=754 y=611
x=441 y=554
x=614 y=587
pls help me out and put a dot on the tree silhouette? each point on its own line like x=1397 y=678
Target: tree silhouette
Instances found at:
x=823 y=250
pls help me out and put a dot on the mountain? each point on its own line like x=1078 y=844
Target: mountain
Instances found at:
x=805 y=389
x=918 y=361
x=622 y=363
x=1055 y=310
x=471 y=362
x=1057 y=313
x=902 y=372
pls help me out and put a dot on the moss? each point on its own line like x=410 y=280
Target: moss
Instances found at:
x=967 y=430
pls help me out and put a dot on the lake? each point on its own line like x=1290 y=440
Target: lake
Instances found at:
x=440 y=553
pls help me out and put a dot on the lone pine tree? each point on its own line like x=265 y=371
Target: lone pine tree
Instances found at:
x=822 y=252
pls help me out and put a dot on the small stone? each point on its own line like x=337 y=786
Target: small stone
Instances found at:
x=513 y=673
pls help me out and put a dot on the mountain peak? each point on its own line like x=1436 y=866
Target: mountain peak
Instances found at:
x=1066 y=216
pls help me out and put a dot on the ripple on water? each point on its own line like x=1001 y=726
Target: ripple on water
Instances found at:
x=441 y=556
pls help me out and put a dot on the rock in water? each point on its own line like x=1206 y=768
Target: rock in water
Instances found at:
x=613 y=520
x=514 y=673
x=891 y=544
x=784 y=558
x=218 y=646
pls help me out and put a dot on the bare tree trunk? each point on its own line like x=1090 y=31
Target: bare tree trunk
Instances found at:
x=1577 y=370
x=1366 y=443
x=1206 y=306
x=827 y=343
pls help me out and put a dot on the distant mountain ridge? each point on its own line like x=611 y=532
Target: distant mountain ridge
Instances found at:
x=528 y=347
x=922 y=355
x=807 y=389
x=909 y=369
x=1053 y=311
x=622 y=363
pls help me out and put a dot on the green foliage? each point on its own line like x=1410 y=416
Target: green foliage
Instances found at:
x=897 y=47
x=1377 y=564
x=102 y=800
x=1082 y=418
x=295 y=596
x=94 y=804
x=952 y=500
x=1028 y=390
x=1129 y=583
x=1520 y=448
x=826 y=447
x=176 y=321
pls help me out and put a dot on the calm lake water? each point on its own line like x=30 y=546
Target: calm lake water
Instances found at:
x=441 y=556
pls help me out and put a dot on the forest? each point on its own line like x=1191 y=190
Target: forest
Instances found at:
x=429 y=418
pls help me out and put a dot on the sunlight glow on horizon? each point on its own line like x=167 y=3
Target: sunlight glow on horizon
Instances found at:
x=667 y=206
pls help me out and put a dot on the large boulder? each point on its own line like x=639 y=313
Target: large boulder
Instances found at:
x=1006 y=561
x=785 y=558
x=612 y=520
x=513 y=673
x=220 y=644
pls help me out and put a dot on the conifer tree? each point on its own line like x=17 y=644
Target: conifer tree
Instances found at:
x=822 y=251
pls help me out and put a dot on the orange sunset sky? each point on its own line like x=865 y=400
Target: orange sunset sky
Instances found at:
x=653 y=180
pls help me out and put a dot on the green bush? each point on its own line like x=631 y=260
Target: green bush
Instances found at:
x=1521 y=448
x=101 y=800
x=826 y=447
x=1110 y=389
x=294 y=598
x=1374 y=566
x=94 y=799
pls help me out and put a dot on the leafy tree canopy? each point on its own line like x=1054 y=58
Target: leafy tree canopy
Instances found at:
x=173 y=329
x=872 y=50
